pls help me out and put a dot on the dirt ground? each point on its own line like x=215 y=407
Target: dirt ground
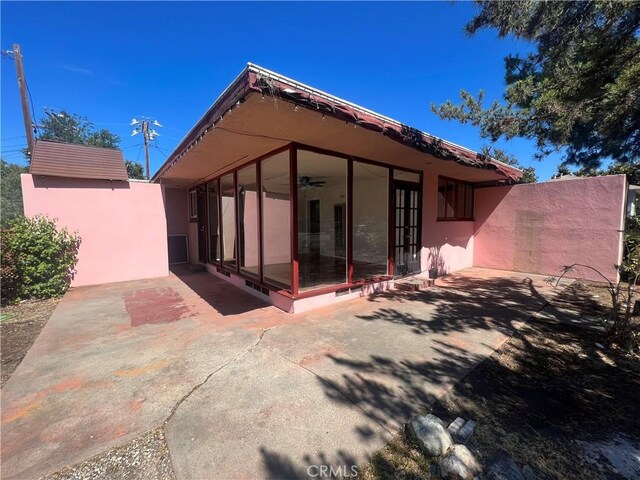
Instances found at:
x=543 y=398
x=20 y=325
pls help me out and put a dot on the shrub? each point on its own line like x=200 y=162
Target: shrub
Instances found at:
x=38 y=259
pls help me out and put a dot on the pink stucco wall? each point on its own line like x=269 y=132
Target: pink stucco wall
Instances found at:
x=122 y=225
x=447 y=245
x=540 y=227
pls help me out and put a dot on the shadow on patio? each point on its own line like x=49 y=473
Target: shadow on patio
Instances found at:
x=224 y=297
x=447 y=330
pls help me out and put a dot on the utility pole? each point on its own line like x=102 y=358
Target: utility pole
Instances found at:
x=145 y=133
x=22 y=84
x=148 y=134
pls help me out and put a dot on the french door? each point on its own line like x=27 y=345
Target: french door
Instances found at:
x=407 y=209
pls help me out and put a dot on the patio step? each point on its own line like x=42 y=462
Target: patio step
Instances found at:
x=414 y=284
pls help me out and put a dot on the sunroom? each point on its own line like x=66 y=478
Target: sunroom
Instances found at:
x=303 y=198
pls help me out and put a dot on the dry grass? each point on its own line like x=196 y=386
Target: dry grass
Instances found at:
x=545 y=389
x=400 y=459
x=20 y=325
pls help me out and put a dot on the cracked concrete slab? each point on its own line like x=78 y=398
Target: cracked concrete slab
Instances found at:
x=325 y=387
x=267 y=418
x=94 y=380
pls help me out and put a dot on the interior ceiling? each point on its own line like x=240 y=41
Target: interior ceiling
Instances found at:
x=259 y=126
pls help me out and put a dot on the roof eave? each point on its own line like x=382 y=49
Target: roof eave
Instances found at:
x=266 y=82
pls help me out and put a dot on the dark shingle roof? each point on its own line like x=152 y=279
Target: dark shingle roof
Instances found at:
x=77 y=161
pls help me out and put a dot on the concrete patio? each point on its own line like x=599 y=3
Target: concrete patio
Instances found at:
x=244 y=390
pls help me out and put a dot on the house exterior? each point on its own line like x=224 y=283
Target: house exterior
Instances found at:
x=304 y=198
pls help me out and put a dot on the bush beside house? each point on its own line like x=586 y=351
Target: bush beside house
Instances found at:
x=37 y=259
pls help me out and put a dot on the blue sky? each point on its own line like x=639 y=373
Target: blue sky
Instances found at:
x=114 y=61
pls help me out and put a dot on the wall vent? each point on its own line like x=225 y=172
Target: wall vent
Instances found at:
x=256 y=287
x=223 y=272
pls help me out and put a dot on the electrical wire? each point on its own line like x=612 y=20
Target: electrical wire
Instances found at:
x=33 y=111
x=131 y=146
x=249 y=134
x=161 y=150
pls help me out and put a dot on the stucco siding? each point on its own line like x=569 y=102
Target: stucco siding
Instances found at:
x=539 y=228
x=122 y=225
x=446 y=245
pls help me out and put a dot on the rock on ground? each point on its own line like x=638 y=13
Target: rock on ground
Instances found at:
x=430 y=434
x=621 y=452
x=502 y=467
x=459 y=463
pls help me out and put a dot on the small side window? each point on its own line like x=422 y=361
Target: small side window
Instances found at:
x=455 y=200
x=193 y=204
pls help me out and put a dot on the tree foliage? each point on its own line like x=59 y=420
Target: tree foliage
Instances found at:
x=134 y=170
x=10 y=192
x=37 y=259
x=576 y=91
x=528 y=173
x=71 y=128
x=631 y=170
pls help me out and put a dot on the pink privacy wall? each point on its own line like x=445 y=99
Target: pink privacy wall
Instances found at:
x=538 y=228
x=122 y=225
x=447 y=245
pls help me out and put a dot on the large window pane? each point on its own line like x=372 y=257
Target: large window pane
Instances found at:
x=214 y=223
x=248 y=220
x=276 y=220
x=370 y=215
x=322 y=233
x=228 y=205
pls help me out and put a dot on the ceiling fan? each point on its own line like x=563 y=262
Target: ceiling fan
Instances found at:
x=306 y=182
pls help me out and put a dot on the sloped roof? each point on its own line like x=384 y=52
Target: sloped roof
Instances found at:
x=265 y=82
x=77 y=161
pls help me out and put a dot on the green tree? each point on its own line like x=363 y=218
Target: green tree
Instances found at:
x=528 y=173
x=71 y=128
x=10 y=192
x=577 y=91
x=134 y=170
x=630 y=169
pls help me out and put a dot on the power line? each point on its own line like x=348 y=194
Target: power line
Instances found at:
x=162 y=150
x=33 y=111
x=132 y=146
